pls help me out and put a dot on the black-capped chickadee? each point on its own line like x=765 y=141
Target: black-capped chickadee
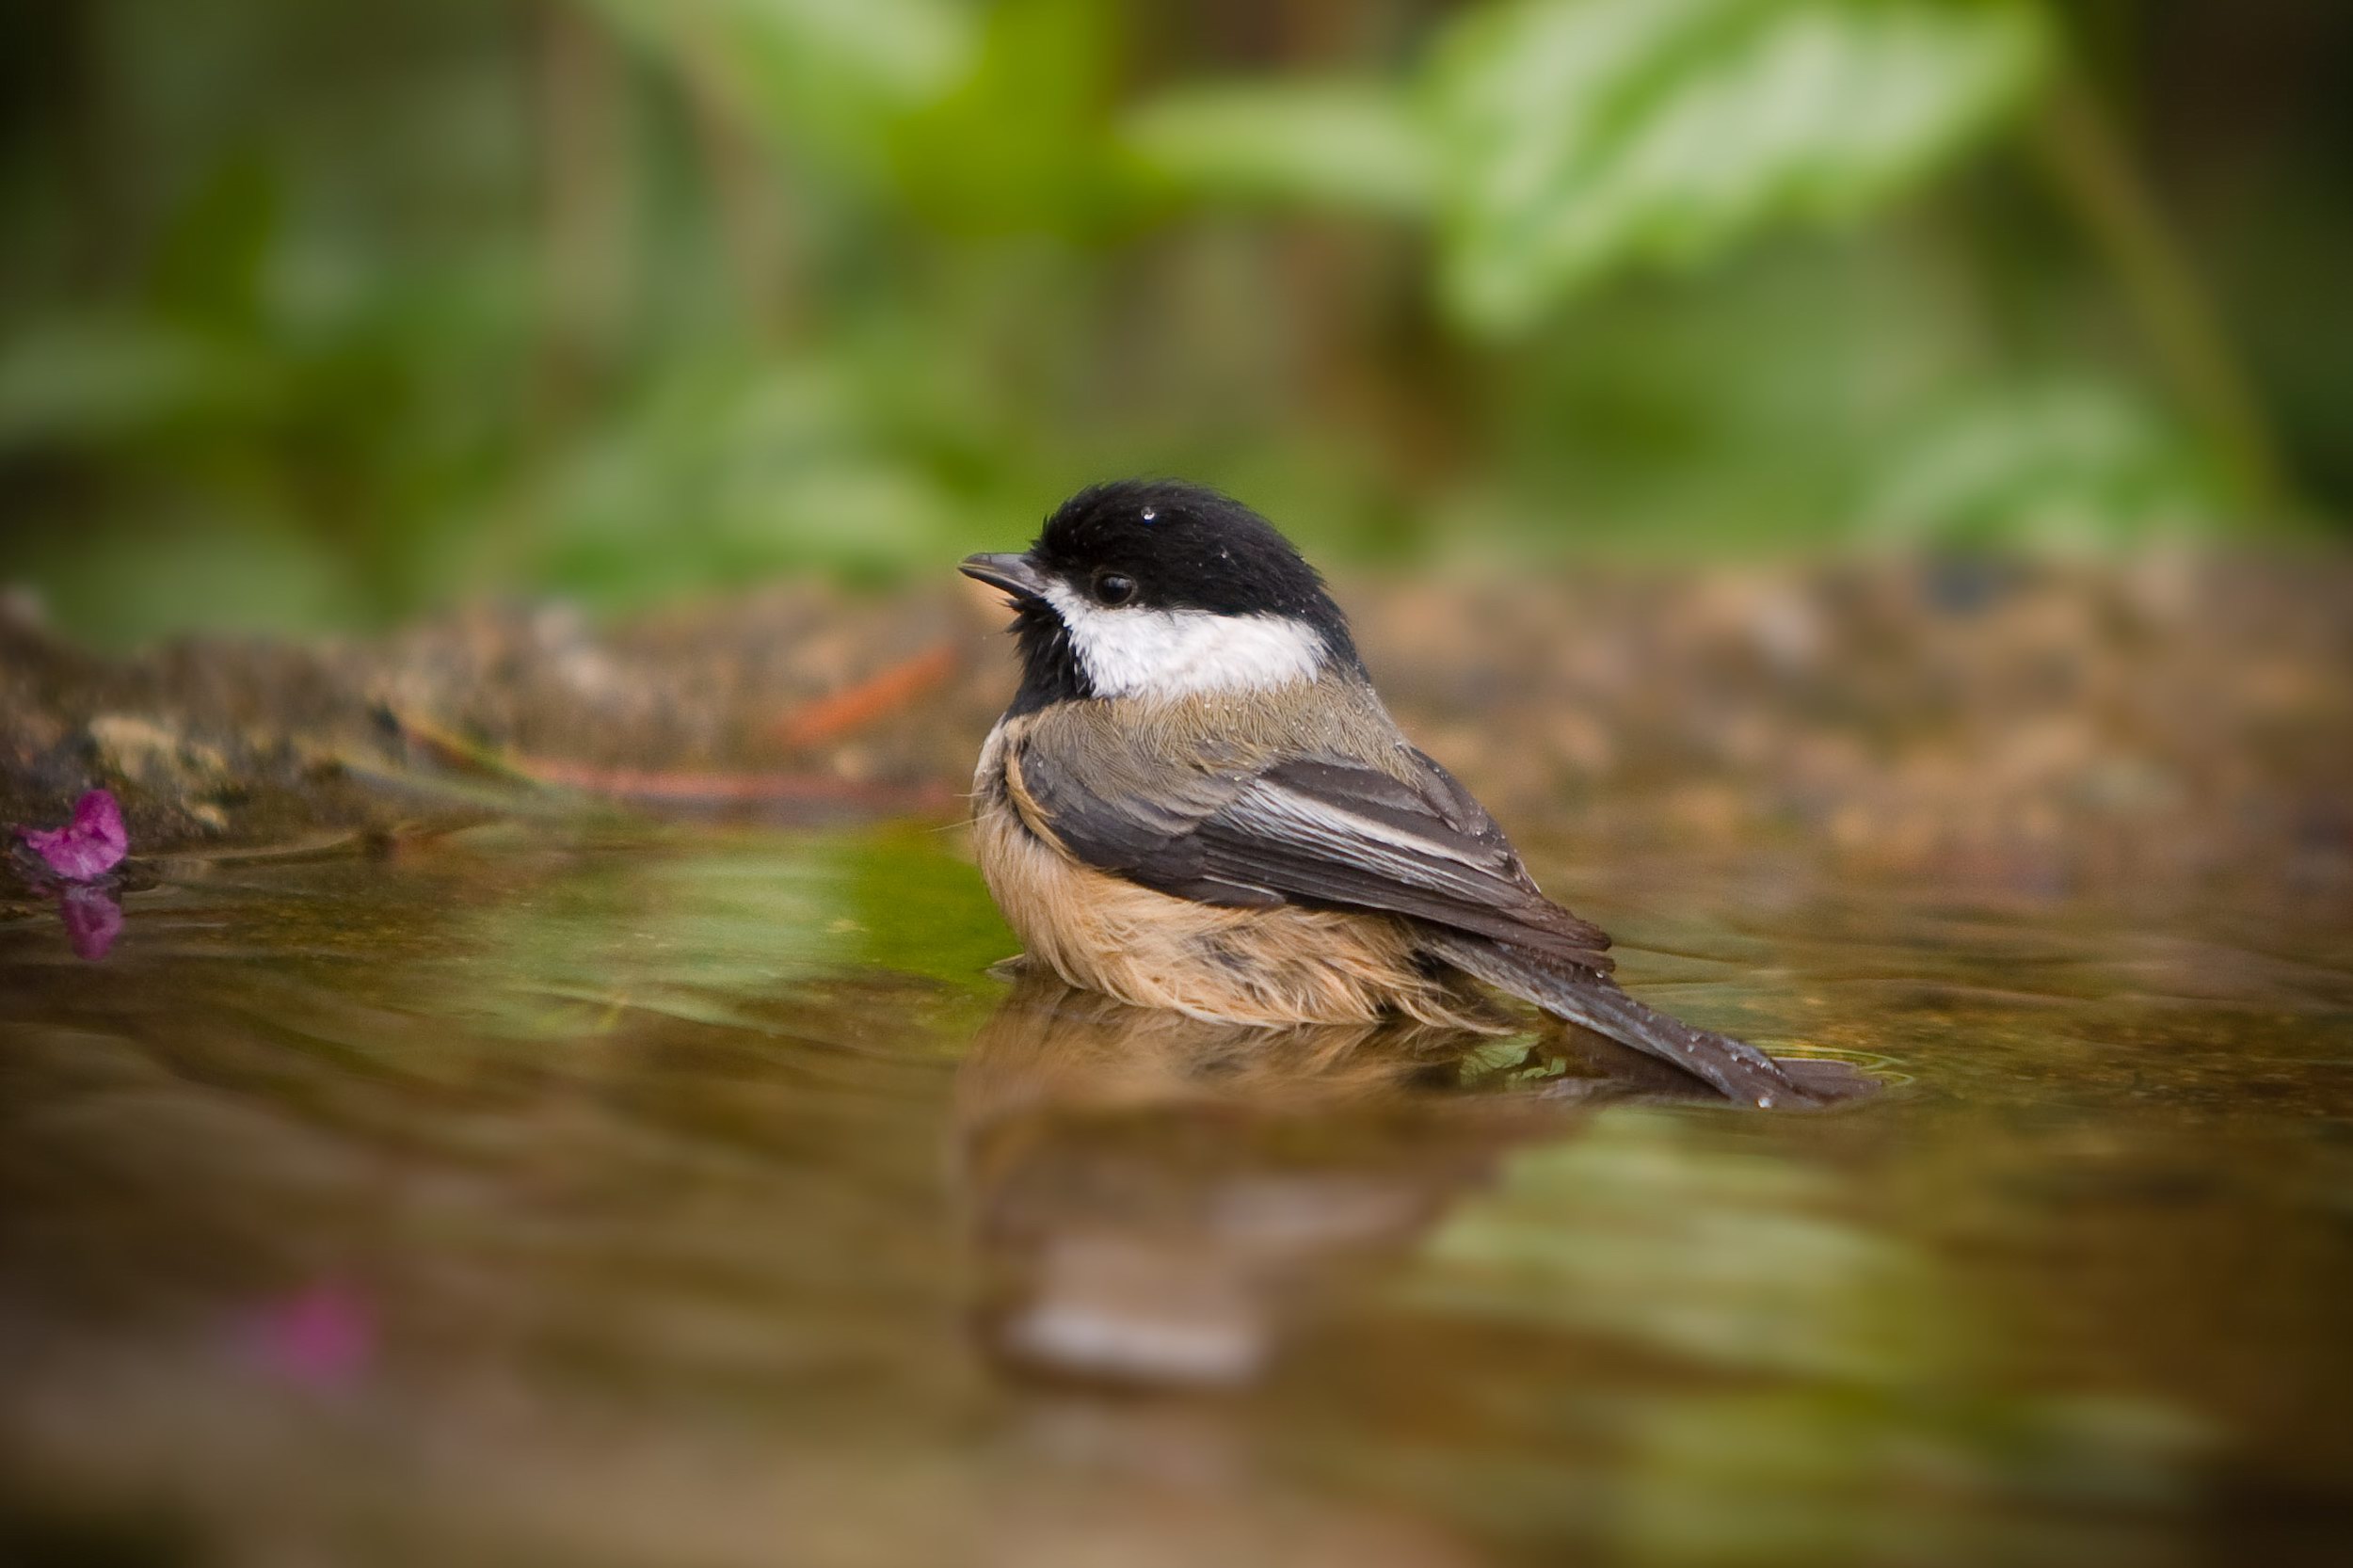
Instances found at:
x=1197 y=801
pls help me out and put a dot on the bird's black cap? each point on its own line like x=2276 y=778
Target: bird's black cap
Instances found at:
x=1187 y=546
x=1160 y=544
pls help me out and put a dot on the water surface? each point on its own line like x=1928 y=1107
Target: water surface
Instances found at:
x=607 y=1193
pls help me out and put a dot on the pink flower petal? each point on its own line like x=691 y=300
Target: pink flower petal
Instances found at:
x=92 y=845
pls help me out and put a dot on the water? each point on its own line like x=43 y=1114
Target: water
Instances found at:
x=594 y=1193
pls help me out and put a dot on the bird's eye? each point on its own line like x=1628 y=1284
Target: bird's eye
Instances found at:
x=1114 y=588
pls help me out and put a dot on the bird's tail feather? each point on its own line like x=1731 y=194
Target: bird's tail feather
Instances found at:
x=1738 y=1070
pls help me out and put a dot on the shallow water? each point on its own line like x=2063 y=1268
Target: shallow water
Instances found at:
x=621 y=1194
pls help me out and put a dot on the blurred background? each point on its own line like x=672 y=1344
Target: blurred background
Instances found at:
x=314 y=317
x=1884 y=469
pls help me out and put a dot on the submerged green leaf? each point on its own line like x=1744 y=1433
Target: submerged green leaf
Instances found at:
x=1642 y=1230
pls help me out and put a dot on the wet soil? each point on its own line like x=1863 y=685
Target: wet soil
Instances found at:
x=1987 y=724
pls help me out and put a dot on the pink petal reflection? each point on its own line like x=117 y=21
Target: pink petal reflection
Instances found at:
x=92 y=921
x=92 y=845
x=322 y=1335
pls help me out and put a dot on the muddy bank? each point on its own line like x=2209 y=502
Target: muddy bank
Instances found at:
x=2015 y=725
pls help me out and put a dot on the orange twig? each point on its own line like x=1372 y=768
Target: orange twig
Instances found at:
x=829 y=718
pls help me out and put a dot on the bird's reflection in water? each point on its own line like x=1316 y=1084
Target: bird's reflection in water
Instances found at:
x=1159 y=1201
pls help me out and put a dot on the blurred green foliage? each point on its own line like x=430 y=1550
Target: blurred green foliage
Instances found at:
x=315 y=318
x=1551 y=142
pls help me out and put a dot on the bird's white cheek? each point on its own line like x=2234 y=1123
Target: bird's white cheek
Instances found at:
x=1142 y=652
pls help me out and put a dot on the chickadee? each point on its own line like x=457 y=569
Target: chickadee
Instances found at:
x=1197 y=801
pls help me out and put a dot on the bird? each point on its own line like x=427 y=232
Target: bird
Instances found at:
x=1197 y=800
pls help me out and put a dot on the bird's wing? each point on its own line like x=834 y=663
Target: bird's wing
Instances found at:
x=1318 y=830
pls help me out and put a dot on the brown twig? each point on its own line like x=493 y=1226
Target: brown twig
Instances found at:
x=669 y=787
x=690 y=788
x=452 y=749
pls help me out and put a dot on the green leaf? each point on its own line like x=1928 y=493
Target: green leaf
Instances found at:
x=2072 y=463
x=1349 y=144
x=1019 y=145
x=755 y=470
x=91 y=382
x=1580 y=136
x=821 y=72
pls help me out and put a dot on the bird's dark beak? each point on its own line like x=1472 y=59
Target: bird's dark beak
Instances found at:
x=1012 y=573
